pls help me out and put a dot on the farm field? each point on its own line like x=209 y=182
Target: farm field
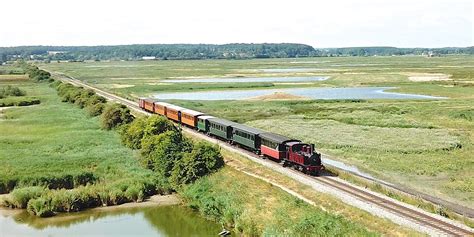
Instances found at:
x=423 y=144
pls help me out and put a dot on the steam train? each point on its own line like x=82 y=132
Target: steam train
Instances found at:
x=288 y=151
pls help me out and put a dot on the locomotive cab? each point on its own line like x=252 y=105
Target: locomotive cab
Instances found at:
x=305 y=157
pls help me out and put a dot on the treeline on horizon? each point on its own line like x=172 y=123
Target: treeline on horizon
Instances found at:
x=206 y=51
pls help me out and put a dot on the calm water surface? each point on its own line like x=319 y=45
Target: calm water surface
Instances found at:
x=143 y=221
x=249 y=79
x=313 y=93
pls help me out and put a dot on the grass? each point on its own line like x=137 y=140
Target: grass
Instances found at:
x=57 y=146
x=426 y=145
x=241 y=200
x=46 y=155
x=255 y=208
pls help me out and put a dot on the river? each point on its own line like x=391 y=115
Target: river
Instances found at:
x=172 y=220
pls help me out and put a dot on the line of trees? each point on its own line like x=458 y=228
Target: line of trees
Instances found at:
x=205 y=51
x=34 y=73
x=159 y=51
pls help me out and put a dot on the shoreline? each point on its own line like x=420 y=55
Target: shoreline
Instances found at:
x=152 y=201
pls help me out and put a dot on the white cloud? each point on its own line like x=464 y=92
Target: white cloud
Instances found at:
x=332 y=23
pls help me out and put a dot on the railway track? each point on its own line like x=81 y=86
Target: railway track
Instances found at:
x=394 y=207
x=442 y=226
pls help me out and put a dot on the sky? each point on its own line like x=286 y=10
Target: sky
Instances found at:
x=333 y=23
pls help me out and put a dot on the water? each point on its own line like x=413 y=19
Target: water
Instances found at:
x=346 y=167
x=313 y=93
x=249 y=79
x=285 y=70
x=142 y=221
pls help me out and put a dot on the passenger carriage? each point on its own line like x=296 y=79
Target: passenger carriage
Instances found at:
x=246 y=136
x=273 y=145
x=146 y=104
x=190 y=117
x=160 y=108
x=221 y=128
x=173 y=112
x=203 y=123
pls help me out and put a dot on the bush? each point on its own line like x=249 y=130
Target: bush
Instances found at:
x=133 y=133
x=159 y=152
x=95 y=110
x=19 y=197
x=41 y=207
x=83 y=97
x=34 y=73
x=115 y=115
x=19 y=102
x=203 y=160
x=95 y=99
x=11 y=91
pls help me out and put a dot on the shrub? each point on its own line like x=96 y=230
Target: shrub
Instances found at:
x=115 y=115
x=83 y=97
x=159 y=152
x=28 y=102
x=19 y=197
x=95 y=99
x=95 y=110
x=35 y=73
x=203 y=160
x=133 y=133
x=11 y=91
x=19 y=102
x=41 y=207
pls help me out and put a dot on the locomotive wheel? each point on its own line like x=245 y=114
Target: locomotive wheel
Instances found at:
x=304 y=170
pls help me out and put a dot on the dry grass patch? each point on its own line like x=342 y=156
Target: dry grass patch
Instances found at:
x=423 y=77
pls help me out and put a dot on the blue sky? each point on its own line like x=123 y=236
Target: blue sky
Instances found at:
x=334 y=23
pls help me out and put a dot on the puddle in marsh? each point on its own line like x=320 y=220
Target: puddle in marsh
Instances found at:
x=313 y=93
x=142 y=221
x=248 y=79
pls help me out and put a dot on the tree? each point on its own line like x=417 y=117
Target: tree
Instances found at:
x=83 y=97
x=159 y=152
x=133 y=133
x=203 y=160
x=115 y=115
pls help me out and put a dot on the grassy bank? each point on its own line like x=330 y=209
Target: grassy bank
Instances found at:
x=255 y=208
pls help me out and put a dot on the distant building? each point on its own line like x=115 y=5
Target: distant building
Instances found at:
x=148 y=57
x=51 y=53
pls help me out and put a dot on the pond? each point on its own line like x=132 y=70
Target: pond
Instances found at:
x=312 y=93
x=138 y=221
x=249 y=79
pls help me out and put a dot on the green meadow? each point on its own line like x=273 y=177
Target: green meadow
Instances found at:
x=424 y=144
x=45 y=146
x=56 y=142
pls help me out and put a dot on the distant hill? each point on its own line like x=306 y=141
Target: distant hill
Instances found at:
x=206 y=51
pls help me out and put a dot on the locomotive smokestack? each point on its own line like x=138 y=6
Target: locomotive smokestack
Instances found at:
x=312 y=147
